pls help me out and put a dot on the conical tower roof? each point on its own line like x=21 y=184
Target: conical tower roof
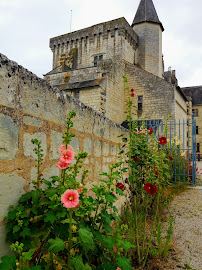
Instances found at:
x=146 y=12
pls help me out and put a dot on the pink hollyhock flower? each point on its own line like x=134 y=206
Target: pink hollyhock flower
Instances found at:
x=114 y=194
x=63 y=148
x=62 y=165
x=70 y=198
x=67 y=156
x=115 y=249
x=79 y=190
x=162 y=140
x=118 y=268
x=143 y=131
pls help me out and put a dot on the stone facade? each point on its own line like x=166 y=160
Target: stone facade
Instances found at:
x=108 y=51
x=31 y=108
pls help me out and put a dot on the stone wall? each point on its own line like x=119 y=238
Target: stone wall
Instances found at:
x=114 y=40
x=31 y=108
x=158 y=95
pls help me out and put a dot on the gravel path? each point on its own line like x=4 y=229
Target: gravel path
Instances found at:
x=186 y=209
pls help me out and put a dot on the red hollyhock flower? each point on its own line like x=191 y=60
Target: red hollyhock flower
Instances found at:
x=150 y=130
x=132 y=94
x=170 y=157
x=150 y=188
x=135 y=158
x=156 y=171
x=162 y=140
x=120 y=186
x=132 y=90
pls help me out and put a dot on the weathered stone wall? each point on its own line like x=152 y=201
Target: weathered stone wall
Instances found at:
x=31 y=108
x=114 y=40
x=199 y=125
x=150 y=47
x=158 y=95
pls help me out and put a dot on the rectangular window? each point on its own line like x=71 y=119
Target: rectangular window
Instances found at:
x=198 y=147
x=196 y=129
x=96 y=58
x=195 y=112
x=76 y=94
x=140 y=100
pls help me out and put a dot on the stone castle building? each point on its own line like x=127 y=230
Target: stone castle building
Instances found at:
x=89 y=64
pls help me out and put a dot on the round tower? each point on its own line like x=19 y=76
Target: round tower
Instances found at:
x=149 y=30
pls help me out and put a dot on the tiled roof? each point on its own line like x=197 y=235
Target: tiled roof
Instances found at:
x=146 y=12
x=195 y=92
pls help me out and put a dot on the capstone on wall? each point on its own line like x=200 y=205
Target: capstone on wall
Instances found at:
x=32 y=108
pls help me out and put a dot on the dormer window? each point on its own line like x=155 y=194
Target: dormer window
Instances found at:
x=97 y=58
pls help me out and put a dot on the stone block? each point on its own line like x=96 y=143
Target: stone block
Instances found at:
x=29 y=146
x=87 y=146
x=97 y=148
x=75 y=144
x=56 y=141
x=47 y=173
x=31 y=121
x=113 y=150
x=98 y=169
x=105 y=168
x=4 y=247
x=9 y=134
x=11 y=190
x=105 y=149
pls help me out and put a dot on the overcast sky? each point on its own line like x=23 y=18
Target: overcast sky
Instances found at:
x=27 y=25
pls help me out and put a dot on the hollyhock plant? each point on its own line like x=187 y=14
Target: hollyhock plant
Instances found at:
x=162 y=140
x=62 y=165
x=150 y=188
x=70 y=198
x=67 y=156
x=120 y=186
x=63 y=148
x=150 y=131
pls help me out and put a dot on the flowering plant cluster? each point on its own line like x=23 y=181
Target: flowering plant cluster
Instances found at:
x=61 y=226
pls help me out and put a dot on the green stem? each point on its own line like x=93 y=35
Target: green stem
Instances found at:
x=70 y=234
x=136 y=232
x=152 y=229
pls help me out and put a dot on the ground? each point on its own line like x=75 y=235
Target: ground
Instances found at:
x=186 y=253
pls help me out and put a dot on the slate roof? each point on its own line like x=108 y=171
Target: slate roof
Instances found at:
x=195 y=92
x=146 y=12
x=80 y=84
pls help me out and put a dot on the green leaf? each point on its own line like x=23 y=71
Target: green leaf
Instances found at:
x=11 y=215
x=77 y=263
x=110 y=198
x=56 y=245
x=119 y=191
x=16 y=228
x=25 y=232
x=123 y=263
x=25 y=197
x=68 y=221
x=109 y=243
x=27 y=256
x=8 y=262
x=36 y=194
x=127 y=245
x=86 y=237
x=87 y=267
x=38 y=267
x=165 y=166
x=50 y=217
